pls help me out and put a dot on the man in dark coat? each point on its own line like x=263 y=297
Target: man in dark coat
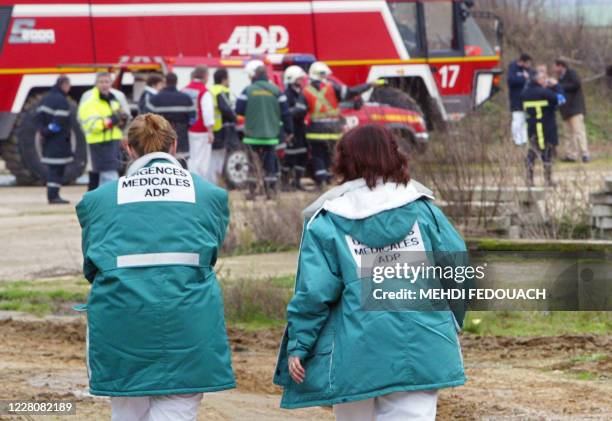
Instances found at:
x=518 y=77
x=296 y=154
x=54 y=123
x=573 y=112
x=176 y=107
x=540 y=102
x=154 y=84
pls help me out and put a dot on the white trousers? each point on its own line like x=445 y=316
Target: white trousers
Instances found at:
x=519 y=128
x=199 y=153
x=156 y=408
x=215 y=169
x=398 y=406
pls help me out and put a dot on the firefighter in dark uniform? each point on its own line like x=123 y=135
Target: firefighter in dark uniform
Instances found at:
x=54 y=122
x=322 y=96
x=296 y=154
x=540 y=101
x=178 y=108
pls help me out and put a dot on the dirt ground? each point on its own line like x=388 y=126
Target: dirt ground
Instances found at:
x=509 y=378
x=560 y=378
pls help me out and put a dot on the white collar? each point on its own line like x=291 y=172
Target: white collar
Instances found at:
x=144 y=160
x=151 y=90
x=355 y=200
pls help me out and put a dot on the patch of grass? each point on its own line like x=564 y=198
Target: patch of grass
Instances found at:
x=584 y=375
x=41 y=297
x=257 y=303
x=589 y=358
x=259 y=248
x=535 y=323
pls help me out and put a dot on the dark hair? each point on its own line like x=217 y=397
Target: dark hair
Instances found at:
x=562 y=63
x=525 y=57
x=199 y=72
x=61 y=80
x=154 y=79
x=220 y=75
x=261 y=72
x=370 y=152
x=171 y=79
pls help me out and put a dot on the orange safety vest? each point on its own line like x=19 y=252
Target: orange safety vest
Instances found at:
x=322 y=103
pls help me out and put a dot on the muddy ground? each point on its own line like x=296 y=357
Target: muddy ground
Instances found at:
x=553 y=378
x=537 y=378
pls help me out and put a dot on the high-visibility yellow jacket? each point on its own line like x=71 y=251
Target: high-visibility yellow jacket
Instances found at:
x=92 y=115
x=216 y=90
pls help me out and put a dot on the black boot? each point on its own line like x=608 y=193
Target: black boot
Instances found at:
x=54 y=198
x=297 y=180
x=285 y=184
x=94 y=181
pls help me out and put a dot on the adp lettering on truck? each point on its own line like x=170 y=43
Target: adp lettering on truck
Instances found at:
x=438 y=53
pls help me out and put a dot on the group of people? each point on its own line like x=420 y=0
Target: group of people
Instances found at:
x=156 y=337
x=285 y=129
x=535 y=97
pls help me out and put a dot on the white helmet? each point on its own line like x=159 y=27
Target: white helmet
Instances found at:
x=319 y=71
x=251 y=66
x=292 y=74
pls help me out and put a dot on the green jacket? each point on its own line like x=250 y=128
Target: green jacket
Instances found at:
x=351 y=353
x=265 y=109
x=155 y=309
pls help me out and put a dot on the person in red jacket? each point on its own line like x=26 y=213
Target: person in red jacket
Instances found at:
x=201 y=134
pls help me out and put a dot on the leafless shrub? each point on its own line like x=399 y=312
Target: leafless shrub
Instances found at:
x=548 y=29
x=266 y=225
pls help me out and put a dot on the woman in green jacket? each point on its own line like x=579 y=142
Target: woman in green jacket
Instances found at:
x=156 y=335
x=371 y=358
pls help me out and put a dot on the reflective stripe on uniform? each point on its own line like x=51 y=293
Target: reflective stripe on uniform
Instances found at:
x=154 y=259
x=56 y=161
x=52 y=184
x=296 y=151
x=540 y=134
x=323 y=136
x=256 y=141
x=538 y=105
x=54 y=112
x=169 y=108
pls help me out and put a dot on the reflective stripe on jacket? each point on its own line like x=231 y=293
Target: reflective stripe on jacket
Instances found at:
x=155 y=310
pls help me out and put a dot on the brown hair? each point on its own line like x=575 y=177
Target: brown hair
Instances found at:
x=370 y=152
x=150 y=133
x=153 y=79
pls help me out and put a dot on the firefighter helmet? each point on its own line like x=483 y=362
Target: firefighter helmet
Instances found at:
x=251 y=66
x=293 y=74
x=319 y=71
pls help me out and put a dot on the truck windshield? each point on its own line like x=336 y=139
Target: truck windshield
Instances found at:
x=476 y=43
x=406 y=19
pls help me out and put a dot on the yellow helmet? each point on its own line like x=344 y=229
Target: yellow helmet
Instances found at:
x=319 y=71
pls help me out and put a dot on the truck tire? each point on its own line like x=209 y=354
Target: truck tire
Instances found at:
x=22 y=150
x=395 y=98
x=236 y=168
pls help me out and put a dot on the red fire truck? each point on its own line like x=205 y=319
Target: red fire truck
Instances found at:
x=433 y=51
